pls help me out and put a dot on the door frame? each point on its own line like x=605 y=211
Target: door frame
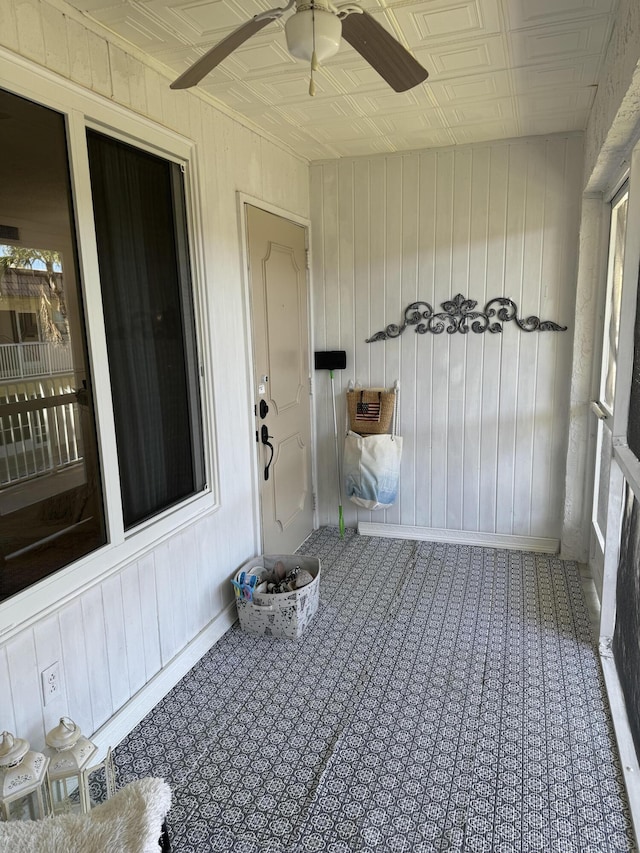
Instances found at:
x=624 y=467
x=601 y=546
x=244 y=199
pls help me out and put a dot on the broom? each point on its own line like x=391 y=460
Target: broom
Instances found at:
x=334 y=360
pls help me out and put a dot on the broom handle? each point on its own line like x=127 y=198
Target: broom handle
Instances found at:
x=335 y=435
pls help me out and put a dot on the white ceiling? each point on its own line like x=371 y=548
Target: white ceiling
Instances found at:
x=497 y=69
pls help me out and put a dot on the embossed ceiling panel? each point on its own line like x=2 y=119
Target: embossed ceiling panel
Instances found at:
x=521 y=15
x=133 y=23
x=558 y=123
x=473 y=88
x=447 y=20
x=576 y=74
x=469 y=57
x=497 y=69
x=499 y=108
x=576 y=39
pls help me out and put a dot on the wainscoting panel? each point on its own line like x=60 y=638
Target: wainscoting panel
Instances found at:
x=484 y=416
x=120 y=641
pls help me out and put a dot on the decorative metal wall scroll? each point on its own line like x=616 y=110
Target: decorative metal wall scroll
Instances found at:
x=459 y=315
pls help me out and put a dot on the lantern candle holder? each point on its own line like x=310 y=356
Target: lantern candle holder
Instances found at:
x=24 y=784
x=71 y=769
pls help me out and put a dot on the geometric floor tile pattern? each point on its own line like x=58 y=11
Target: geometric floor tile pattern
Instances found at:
x=444 y=698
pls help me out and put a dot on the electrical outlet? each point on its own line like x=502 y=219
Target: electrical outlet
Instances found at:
x=50 y=682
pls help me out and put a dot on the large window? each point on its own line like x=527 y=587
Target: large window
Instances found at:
x=139 y=211
x=52 y=500
x=50 y=491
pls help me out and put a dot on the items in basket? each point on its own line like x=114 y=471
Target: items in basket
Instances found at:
x=280 y=580
x=274 y=581
x=245 y=586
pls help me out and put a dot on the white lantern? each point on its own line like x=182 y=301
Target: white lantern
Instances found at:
x=71 y=767
x=24 y=785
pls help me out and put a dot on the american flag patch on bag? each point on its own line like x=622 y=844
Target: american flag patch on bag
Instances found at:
x=368 y=411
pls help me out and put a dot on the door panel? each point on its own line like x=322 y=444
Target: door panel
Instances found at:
x=292 y=466
x=279 y=308
x=283 y=333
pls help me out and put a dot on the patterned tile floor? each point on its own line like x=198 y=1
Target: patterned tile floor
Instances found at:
x=445 y=698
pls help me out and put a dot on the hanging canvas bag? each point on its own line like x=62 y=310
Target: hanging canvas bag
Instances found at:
x=372 y=469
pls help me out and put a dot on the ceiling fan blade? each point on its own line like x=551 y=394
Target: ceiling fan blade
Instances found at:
x=383 y=52
x=220 y=51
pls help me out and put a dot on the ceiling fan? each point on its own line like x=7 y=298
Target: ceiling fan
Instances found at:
x=313 y=33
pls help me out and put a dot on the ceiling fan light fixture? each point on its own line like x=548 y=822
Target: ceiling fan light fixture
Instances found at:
x=313 y=29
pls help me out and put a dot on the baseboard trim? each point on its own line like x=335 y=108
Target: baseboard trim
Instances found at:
x=460 y=537
x=137 y=708
x=624 y=738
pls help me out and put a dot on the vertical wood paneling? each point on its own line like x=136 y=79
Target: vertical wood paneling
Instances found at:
x=491 y=411
x=149 y=616
x=95 y=637
x=116 y=640
x=377 y=294
x=440 y=371
x=77 y=658
x=393 y=285
x=207 y=602
x=79 y=59
x=165 y=596
x=361 y=269
x=533 y=248
x=511 y=287
x=460 y=239
x=409 y=293
x=8 y=26
x=55 y=40
x=25 y=687
x=191 y=580
x=546 y=458
x=7 y=718
x=178 y=592
x=30 y=26
x=423 y=440
x=48 y=645
x=134 y=636
x=343 y=297
x=474 y=365
x=483 y=417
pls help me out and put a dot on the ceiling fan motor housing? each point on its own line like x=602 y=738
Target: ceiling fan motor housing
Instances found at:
x=312 y=29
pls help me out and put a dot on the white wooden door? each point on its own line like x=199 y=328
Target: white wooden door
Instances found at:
x=279 y=309
x=603 y=407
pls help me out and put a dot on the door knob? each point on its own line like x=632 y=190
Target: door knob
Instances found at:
x=264 y=438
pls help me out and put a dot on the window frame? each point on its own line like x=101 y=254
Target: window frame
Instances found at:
x=195 y=344
x=82 y=110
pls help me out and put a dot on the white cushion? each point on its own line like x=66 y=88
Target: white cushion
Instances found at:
x=130 y=822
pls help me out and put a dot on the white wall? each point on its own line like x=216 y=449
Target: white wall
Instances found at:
x=484 y=417
x=154 y=595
